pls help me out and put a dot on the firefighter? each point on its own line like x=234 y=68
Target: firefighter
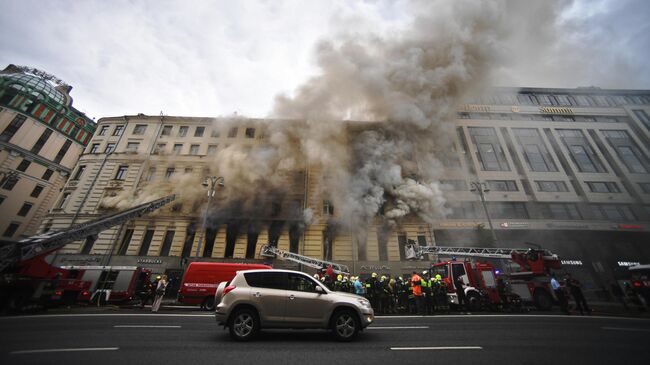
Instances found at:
x=392 y=302
x=402 y=295
x=576 y=291
x=416 y=284
x=338 y=283
x=427 y=292
x=560 y=295
x=371 y=283
x=441 y=294
x=460 y=293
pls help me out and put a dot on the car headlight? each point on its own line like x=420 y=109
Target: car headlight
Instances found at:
x=364 y=303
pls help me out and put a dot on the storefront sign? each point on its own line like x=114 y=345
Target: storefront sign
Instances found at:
x=627 y=263
x=150 y=261
x=374 y=267
x=459 y=224
x=514 y=225
x=83 y=261
x=629 y=226
x=567 y=225
x=554 y=110
x=474 y=108
x=572 y=262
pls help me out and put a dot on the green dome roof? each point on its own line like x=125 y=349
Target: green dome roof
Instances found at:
x=34 y=85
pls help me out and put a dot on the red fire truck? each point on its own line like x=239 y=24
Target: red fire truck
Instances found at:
x=531 y=282
x=109 y=284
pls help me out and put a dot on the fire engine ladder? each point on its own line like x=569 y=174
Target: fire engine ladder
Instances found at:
x=12 y=252
x=414 y=252
x=274 y=252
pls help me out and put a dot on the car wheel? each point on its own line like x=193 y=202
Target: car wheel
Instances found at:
x=208 y=304
x=243 y=325
x=345 y=325
x=542 y=300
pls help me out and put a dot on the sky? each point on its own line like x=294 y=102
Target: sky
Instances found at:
x=217 y=58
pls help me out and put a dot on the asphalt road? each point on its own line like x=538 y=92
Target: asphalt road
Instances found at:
x=193 y=338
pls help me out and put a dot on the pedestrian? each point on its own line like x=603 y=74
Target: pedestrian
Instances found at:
x=576 y=291
x=416 y=284
x=160 y=292
x=359 y=288
x=559 y=294
x=146 y=292
x=460 y=293
x=617 y=292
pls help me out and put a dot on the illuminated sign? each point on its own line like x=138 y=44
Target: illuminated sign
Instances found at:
x=514 y=225
x=627 y=263
x=150 y=261
x=572 y=262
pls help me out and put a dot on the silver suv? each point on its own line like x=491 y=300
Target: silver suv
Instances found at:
x=257 y=299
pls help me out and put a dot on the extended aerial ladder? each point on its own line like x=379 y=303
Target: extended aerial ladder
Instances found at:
x=274 y=252
x=42 y=244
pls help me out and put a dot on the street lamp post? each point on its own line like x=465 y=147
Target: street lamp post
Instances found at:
x=481 y=188
x=210 y=182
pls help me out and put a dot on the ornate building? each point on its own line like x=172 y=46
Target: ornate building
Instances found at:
x=41 y=138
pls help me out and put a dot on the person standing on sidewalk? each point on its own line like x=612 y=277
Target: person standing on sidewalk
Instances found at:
x=160 y=292
x=576 y=291
x=559 y=294
x=416 y=284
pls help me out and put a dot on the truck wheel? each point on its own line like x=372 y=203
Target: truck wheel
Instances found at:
x=542 y=300
x=208 y=304
x=243 y=324
x=473 y=301
x=345 y=325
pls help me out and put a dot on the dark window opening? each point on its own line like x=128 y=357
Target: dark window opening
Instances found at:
x=62 y=151
x=88 y=245
x=11 y=230
x=210 y=236
x=24 y=210
x=37 y=191
x=146 y=242
x=124 y=245
x=12 y=128
x=232 y=231
x=41 y=141
x=167 y=243
x=24 y=164
x=189 y=240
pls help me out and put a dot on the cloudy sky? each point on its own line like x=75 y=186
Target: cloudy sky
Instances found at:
x=215 y=58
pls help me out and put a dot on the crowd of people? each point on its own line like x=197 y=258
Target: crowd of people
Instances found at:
x=415 y=294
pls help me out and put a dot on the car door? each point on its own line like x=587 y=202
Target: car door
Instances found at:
x=268 y=294
x=305 y=307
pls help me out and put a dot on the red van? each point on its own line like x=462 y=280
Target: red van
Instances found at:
x=201 y=279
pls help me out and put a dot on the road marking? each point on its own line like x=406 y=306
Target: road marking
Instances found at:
x=437 y=348
x=143 y=326
x=457 y=316
x=109 y=315
x=65 y=350
x=396 y=327
x=626 y=329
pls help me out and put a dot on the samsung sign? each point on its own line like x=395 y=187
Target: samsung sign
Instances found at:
x=627 y=263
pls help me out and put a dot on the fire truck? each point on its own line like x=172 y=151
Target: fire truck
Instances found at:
x=28 y=278
x=107 y=284
x=531 y=282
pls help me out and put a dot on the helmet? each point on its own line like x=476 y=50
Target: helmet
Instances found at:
x=374 y=274
x=401 y=278
x=316 y=276
x=345 y=279
x=383 y=277
x=425 y=272
x=322 y=279
x=339 y=277
x=438 y=277
x=158 y=277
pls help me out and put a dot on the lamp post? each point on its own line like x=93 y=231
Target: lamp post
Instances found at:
x=210 y=182
x=481 y=188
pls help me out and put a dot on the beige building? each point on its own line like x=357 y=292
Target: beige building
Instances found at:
x=567 y=169
x=41 y=138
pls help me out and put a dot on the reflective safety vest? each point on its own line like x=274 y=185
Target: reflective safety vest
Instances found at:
x=417 y=287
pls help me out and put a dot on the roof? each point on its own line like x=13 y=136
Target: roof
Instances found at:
x=34 y=85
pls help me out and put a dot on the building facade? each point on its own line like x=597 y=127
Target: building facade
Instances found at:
x=41 y=138
x=564 y=169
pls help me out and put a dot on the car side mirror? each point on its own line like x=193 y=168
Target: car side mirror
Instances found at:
x=319 y=290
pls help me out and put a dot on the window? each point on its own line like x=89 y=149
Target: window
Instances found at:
x=268 y=280
x=146 y=242
x=132 y=146
x=169 y=173
x=11 y=229
x=139 y=129
x=37 y=191
x=212 y=149
x=160 y=148
x=151 y=174
x=560 y=211
x=490 y=154
x=297 y=282
x=215 y=133
x=110 y=147
x=627 y=150
x=232 y=133
x=250 y=133
x=47 y=175
x=189 y=170
x=455 y=185
x=64 y=149
x=167 y=243
x=10 y=182
x=507 y=210
x=194 y=149
x=645 y=187
x=603 y=187
x=23 y=165
x=643 y=117
x=502 y=185
x=552 y=186
x=182 y=131
x=613 y=212
x=124 y=246
x=79 y=173
x=177 y=148
x=535 y=152
x=24 y=210
x=166 y=131
x=94 y=148
x=13 y=127
x=630 y=159
x=328 y=208
x=118 y=130
x=64 y=201
x=41 y=141
x=103 y=130
x=121 y=172
x=198 y=132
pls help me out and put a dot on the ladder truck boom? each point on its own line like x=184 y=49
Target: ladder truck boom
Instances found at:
x=274 y=252
x=40 y=245
x=414 y=251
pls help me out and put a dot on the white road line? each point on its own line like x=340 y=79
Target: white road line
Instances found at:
x=143 y=326
x=396 y=327
x=437 y=348
x=65 y=350
x=626 y=329
x=513 y=316
x=109 y=315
